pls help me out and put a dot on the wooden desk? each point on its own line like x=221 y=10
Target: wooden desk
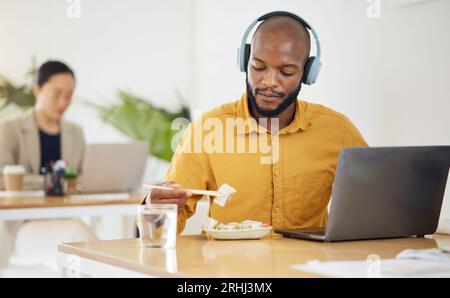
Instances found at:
x=25 y=207
x=196 y=256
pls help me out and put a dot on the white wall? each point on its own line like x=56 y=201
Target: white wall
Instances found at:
x=141 y=46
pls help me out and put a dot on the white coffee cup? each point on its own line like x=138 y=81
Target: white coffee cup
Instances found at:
x=13 y=177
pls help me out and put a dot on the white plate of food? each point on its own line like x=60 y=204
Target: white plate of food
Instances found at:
x=247 y=229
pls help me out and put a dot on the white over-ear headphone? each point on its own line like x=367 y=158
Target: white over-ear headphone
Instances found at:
x=312 y=66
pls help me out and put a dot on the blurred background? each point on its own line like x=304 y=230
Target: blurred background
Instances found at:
x=385 y=62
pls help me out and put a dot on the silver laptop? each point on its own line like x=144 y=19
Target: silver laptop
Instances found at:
x=384 y=192
x=114 y=167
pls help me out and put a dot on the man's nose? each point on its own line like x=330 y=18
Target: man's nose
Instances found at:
x=270 y=79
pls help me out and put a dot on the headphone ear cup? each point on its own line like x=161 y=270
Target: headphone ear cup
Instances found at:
x=307 y=71
x=246 y=55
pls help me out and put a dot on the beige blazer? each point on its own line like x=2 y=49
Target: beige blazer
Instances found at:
x=19 y=144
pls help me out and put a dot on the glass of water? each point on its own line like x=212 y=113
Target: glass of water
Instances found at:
x=158 y=225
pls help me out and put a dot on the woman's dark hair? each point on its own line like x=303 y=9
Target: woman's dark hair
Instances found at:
x=50 y=68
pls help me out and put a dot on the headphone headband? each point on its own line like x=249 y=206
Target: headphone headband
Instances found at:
x=283 y=13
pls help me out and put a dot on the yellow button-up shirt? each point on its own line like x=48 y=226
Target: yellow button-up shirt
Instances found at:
x=286 y=182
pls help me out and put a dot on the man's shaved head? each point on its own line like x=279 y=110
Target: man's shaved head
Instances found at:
x=284 y=30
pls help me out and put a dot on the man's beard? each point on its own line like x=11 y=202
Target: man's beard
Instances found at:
x=287 y=102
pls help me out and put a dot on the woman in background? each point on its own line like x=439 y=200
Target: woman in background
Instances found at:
x=35 y=140
x=41 y=135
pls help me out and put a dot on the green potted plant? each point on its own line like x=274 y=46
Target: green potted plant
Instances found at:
x=141 y=120
x=70 y=180
x=17 y=98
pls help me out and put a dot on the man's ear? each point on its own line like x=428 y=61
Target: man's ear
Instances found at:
x=36 y=91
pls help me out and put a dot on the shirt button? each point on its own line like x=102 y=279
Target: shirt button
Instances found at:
x=277 y=173
x=277 y=210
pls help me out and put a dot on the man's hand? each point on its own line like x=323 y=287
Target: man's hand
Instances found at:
x=176 y=195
